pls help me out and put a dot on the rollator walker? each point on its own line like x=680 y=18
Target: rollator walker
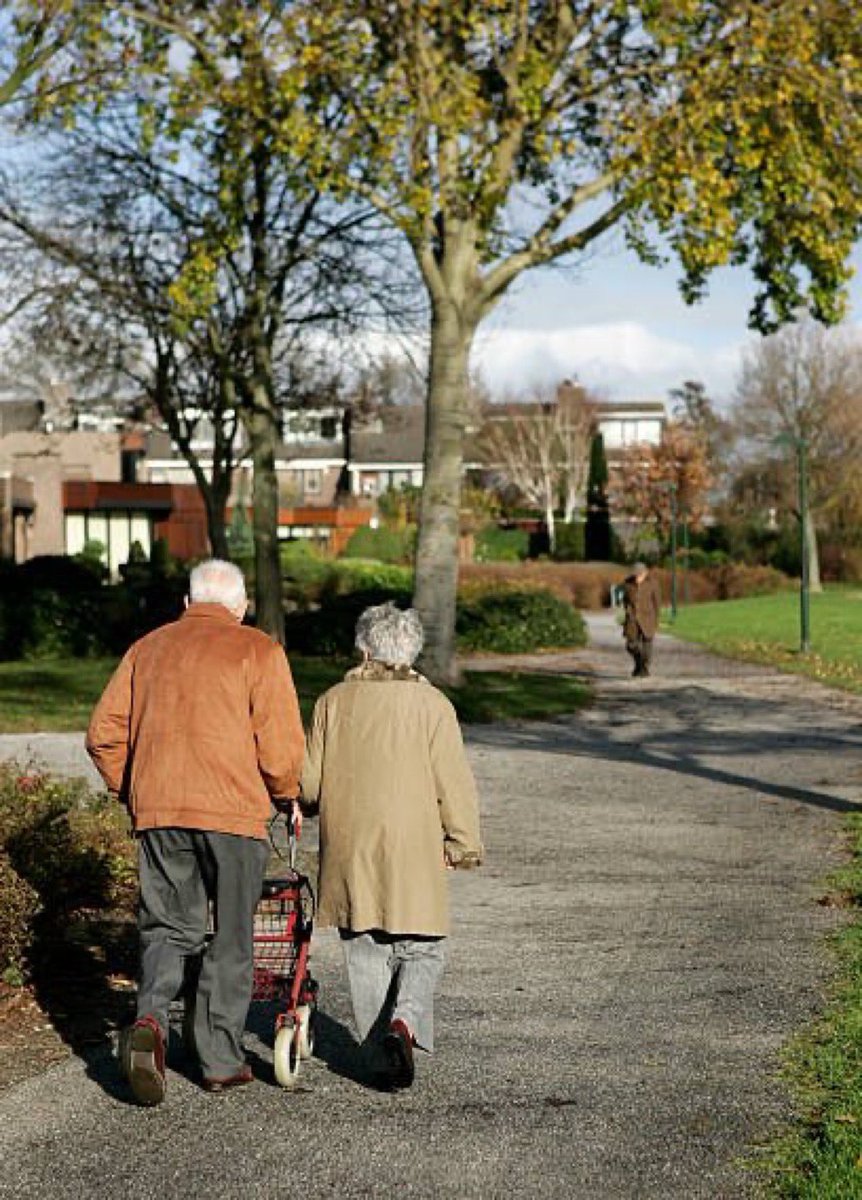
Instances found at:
x=283 y=924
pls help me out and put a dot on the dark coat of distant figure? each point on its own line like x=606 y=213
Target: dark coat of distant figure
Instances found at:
x=642 y=605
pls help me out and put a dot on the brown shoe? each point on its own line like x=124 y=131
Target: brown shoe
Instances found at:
x=243 y=1076
x=398 y=1048
x=144 y=1061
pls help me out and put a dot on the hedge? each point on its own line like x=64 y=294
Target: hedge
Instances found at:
x=493 y=544
x=503 y=620
x=56 y=607
x=383 y=544
x=517 y=622
x=588 y=585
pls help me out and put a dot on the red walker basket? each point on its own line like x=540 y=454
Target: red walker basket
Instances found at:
x=283 y=925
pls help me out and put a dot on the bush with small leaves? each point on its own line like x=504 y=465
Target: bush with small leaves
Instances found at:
x=19 y=906
x=517 y=622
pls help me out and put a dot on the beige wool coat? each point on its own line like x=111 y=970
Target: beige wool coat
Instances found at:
x=385 y=766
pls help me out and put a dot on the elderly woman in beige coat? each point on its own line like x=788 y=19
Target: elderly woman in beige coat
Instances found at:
x=386 y=766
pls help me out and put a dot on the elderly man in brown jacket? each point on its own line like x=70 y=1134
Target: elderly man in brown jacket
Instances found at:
x=387 y=769
x=198 y=731
x=642 y=604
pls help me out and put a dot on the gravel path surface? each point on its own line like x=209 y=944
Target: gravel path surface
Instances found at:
x=623 y=972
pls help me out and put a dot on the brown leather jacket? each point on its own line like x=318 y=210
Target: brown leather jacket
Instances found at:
x=199 y=726
x=642 y=603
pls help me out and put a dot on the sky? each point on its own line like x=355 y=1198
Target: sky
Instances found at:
x=621 y=327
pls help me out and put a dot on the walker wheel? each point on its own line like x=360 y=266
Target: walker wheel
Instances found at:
x=305 y=1012
x=286 y=1055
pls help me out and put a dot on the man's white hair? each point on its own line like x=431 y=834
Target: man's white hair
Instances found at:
x=217 y=582
x=390 y=635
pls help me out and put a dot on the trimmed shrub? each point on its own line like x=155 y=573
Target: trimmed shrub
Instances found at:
x=310 y=579
x=840 y=563
x=517 y=622
x=304 y=571
x=588 y=585
x=493 y=544
x=383 y=544
x=491 y=618
x=363 y=575
x=329 y=631
x=52 y=606
x=583 y=585
x=58 y=607
x=735 y=581
x=698 y=558
x=569 y=542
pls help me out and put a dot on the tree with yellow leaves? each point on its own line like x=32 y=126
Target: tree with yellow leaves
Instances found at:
x=504 y=135
x=501 y=135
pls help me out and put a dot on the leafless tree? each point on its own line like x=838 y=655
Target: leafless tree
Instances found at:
x=202 y=280
x=804 y=385
x=540 y=446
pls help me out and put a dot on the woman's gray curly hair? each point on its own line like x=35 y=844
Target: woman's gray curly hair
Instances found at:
x=390 y=635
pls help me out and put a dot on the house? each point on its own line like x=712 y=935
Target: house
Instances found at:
x=62 y=488
x=72 y=474
x=625 y=423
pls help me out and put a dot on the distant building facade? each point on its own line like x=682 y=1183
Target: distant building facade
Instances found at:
x=72 y=475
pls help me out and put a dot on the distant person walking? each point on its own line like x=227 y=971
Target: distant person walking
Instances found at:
x=196 y=732
x=386 y=767
x=642 y=605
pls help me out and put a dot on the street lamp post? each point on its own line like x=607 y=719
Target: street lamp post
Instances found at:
x=673 y=605
x=804 y=586
x=800 y=445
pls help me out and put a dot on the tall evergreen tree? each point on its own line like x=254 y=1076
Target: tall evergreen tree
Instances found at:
x=597 y=535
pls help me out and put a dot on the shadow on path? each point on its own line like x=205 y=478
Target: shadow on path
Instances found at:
x=684 y=729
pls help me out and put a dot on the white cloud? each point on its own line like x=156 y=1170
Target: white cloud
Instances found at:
x=623 y=358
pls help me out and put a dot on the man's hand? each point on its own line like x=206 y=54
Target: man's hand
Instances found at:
x=290 y=808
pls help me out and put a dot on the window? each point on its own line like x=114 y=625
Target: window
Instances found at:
x=650 y=431
x=141 y=532
x=97 y=531
x=76 y=532
x=118 y=546
x=313 y=481
x=329 y=428
x=611 y=431
x=630 y=433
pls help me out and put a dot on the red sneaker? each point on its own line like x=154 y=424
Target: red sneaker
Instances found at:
x=398 y=1048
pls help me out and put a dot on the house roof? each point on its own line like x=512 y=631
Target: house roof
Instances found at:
x=19 y=416
x=395 y=435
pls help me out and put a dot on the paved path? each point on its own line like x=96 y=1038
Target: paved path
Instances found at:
x=624 y=971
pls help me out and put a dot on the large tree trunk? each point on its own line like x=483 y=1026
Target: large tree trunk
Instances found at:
x=437 y=547
x=262 y=428
x=814 y=582
x=216 y=528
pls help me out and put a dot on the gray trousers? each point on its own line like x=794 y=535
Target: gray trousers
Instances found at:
x=393 y=978
x=182 y=872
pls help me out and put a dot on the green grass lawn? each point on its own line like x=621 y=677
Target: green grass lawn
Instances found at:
x=59 y=695
x=765 y=629
x=821 y=1159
